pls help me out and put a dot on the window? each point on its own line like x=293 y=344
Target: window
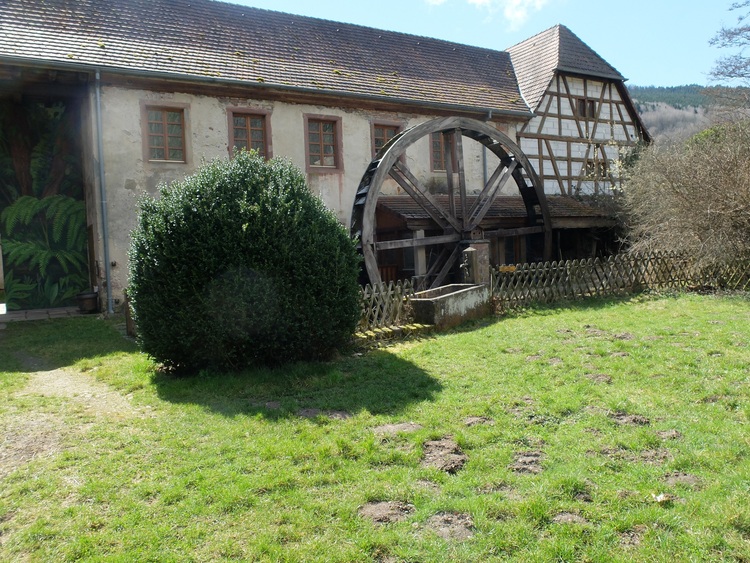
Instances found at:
x=437 y=152
x=586 y=108
x=250 y=130
x=381 y=134
x=323 y=143
x=166 y=133
x=595 y=169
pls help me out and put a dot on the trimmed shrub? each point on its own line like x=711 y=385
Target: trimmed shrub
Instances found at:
x=239 y=264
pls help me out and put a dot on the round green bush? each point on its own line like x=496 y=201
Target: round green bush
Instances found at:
x=239 y=265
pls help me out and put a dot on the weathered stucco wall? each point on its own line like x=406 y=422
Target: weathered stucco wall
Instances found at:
x=129 y=174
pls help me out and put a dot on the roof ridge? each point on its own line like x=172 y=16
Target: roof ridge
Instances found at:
x=353 y=25
x=529 y=39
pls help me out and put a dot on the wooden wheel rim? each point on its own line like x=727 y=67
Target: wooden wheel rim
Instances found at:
x=386 y=164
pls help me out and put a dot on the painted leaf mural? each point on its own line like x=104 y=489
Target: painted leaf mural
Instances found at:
x=42 y=210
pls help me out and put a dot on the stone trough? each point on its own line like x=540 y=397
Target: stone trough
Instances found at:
x=450 y=305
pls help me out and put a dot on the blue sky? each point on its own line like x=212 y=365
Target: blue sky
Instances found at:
x=651 y=42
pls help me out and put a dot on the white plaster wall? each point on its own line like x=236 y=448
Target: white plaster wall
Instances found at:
x=128 y=175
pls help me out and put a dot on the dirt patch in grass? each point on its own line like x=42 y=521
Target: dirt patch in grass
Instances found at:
x=569 y=518
x=28 y=437
x=679 y=478
x=445 y=455
x=669 y=434
x=527 y=462
x=33 y=435
x=477 y=420
x=633 y=537
x=653 y=457
x=599 y=378
x=97 y=398
x=386 y=512
x=452 y=526
x=393 y=429
x=624 y=336
x=625 y=419
x=595 y=332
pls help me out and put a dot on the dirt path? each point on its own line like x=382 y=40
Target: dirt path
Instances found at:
x=97 y=398
x=27 y=434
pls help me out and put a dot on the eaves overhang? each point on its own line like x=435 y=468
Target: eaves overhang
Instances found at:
x=48 y=64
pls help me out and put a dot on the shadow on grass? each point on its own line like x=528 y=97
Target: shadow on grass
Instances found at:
x=379 y=382
x=52 y=344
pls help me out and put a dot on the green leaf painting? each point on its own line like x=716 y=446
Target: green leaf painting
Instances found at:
x=42 y=211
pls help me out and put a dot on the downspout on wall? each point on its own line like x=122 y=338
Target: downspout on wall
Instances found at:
x=103 y=194
x=484 y=156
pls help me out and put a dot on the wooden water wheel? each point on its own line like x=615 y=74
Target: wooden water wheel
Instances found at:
x=456 y=218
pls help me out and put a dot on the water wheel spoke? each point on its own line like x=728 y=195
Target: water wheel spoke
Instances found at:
x=482 y=205
x=458 y=137
x=448 y=160
x=447 y=266
x=422 y=196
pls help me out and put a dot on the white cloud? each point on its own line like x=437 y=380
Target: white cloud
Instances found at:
x=516 y=12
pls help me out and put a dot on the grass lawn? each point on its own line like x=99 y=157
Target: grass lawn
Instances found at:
x=604 y=431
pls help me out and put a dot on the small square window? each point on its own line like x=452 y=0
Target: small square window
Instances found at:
x=585 y=108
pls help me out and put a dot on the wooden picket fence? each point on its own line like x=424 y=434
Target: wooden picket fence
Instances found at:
x=387 y=304
x=549 y=282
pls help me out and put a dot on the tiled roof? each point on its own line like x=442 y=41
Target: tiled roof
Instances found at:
x=502 y=207
x=556 y=49
x=201 y=39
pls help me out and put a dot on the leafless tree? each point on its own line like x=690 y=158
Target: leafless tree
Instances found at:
x=734 y=68
x=693 y=197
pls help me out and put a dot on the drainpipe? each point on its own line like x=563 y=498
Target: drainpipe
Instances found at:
x=484 y=155
x=103 y=195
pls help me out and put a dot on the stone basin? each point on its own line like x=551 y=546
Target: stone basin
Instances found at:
x=450 y=305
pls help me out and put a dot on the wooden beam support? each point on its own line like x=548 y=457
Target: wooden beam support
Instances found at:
x=521 y=231
x=415 y=242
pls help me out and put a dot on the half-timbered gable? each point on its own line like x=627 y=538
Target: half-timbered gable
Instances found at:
x=584 y=117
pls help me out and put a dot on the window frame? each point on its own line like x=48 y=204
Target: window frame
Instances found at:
x=264 y=114
x=397 y=125
x=454 y=155
x=163 y=105
x=338 y=155
x=585 y=108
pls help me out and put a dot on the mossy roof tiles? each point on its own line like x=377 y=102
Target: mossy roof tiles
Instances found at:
x=206 y=39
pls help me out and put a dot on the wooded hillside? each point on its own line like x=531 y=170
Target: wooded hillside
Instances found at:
x=676 y=112
x=673 y=112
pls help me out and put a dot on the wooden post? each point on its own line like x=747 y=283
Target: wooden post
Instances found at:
x=420 y=256
x=481 y=258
